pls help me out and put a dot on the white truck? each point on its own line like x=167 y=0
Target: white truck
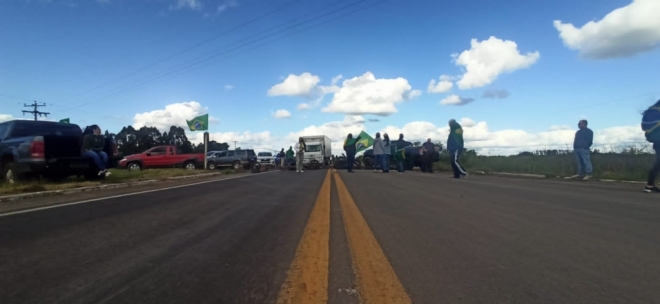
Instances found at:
x=318 y=151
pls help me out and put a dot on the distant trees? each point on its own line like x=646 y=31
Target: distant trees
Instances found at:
x=133 y=141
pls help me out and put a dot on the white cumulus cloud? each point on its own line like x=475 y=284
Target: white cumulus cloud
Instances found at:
x=302 y=85
x=229 y=87
x=303 y=106
x=455 y=100
x=487 y=59
x=174 y=114
x=623 y=32
x=368 y=95
x=281 y=114
x=6 y=117
x=442 y=86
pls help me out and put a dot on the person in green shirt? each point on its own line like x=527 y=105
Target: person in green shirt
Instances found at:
x=92 y=147
x=289 y=155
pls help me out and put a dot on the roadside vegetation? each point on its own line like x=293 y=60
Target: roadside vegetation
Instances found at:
x=629 y=164
x=117 y=176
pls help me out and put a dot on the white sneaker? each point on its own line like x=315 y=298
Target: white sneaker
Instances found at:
x=576 y=176
x=586 y=177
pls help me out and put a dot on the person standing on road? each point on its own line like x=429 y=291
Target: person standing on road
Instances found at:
x=300 y=154
x=289 y=156
x=651 y=128
x=427 y=158
x=379 y=151
x=282 y=156
x=584 y=138
x=93 y=145
x=350 y=148
x=455 y=147
x=388 y=151
x=400 y=154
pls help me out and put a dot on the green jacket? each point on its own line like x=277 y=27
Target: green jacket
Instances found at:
x=289 y=153
x=94 y=142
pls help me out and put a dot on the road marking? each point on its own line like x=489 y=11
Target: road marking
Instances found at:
x=127 y=194
x=307 y=278
x=376 y=280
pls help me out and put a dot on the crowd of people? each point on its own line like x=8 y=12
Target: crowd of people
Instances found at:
x=383 y=148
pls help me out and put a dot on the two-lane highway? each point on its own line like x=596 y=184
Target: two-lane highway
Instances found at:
x=324 y=237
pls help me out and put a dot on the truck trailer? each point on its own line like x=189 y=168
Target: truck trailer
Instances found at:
x=318 y=151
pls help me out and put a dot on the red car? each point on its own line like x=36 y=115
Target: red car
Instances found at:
x=162 y=157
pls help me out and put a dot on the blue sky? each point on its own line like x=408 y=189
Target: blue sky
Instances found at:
x=52 y=51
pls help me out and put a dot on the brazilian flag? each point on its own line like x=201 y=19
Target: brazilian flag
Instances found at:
x=365 y=142
x=400 y=155
x=199 y=123
x=66 y=121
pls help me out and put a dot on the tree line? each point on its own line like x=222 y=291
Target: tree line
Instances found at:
x=132 y=141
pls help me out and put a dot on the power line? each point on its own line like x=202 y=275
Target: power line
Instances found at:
x=190 y=65
x=189 y=48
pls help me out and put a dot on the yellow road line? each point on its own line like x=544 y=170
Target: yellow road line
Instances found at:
x=307 y=279
x=377 y=282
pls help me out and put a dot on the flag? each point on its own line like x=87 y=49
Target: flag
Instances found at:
x=365 y=142
x=199 y=123
x=66 y=121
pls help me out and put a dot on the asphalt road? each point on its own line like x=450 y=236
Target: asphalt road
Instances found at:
x=319 y=237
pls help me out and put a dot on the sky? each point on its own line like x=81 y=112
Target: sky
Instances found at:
x=517 y=74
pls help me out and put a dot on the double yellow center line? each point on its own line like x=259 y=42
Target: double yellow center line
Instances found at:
x=307 y=279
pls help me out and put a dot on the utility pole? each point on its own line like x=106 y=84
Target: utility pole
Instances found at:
x=36 y=111
x=235 y=144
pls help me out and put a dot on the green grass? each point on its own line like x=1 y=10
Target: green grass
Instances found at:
x=632 y=167
x=117 y=176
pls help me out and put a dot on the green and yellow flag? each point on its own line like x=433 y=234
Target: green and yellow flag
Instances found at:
x=365 y=142
x=66 y=120
x=199 y=123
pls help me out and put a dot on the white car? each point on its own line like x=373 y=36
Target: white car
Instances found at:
x=265 y=158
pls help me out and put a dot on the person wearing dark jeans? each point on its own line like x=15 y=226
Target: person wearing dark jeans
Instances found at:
x=584 y=138
x=653 y=173
x=387 y=144
x=350 y=149
x=427 y=158
x=651 y=128
x=399 y=145
x=455 y=146
x=93 y=145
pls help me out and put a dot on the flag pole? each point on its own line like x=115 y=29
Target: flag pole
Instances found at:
x=206 y=149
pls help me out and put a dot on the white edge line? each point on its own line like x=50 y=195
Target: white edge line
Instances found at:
x=126 y=194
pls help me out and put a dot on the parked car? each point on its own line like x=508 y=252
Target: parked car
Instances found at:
x=413 y=158
x=265 y=158
x=49 y=149
x=162 y=157
x=235 y=159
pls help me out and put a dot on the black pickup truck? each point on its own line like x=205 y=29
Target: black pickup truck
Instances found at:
x=413 y=158
x=48 y=149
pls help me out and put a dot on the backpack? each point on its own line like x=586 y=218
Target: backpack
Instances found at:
x=651 y=124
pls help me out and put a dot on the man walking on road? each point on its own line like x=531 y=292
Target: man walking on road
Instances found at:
x=581 y=147
x=427 y=157
x=351 y=149
x=455 y=147
x=651 y=128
